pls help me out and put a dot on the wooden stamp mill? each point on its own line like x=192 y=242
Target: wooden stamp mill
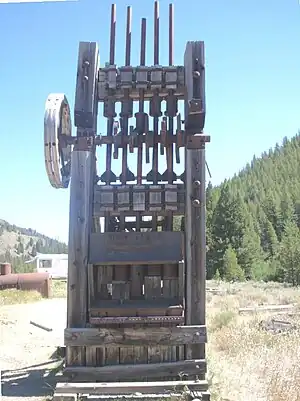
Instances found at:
x=136 y=288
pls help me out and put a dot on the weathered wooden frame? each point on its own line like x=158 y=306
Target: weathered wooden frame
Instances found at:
x=185 y=343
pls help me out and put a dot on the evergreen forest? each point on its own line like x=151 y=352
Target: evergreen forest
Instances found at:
x=253 y=219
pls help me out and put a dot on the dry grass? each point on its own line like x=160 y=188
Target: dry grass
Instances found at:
x=245 y=362
x=59 y=288
x=13 y=296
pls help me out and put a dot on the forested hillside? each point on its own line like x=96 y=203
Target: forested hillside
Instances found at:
x=18 y=244
x=253 y=219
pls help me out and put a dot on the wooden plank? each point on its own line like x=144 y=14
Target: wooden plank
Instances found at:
x=139 y=396
x=153 y=290
x=64 y=397
x=267 y=308
x=137 y=273
x=127 y=336
x=125 y=248
x=151 y=370
x=170 y=289
x=104 y=278
x=149 y=307
x=136 y=281
x=85 y=105
x=80 y=221
x=195 y=168
x=132 y=387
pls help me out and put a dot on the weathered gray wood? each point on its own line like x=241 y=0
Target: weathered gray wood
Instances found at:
x=195 y=230
x=124 y=248
x=132 y=387
x=139 y=336
x=136 y=320
x=195 y=108
x=139 y=396
x=85 y=97
x=266 y=308
x=79 y=228
x=135 y=308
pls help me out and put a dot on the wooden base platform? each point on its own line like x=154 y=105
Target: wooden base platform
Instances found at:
x=183 y=389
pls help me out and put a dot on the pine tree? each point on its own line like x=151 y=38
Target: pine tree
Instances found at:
x=249 y=254
x=231 y=268
x=289 y=254
x=272 y=241
x=228 y=225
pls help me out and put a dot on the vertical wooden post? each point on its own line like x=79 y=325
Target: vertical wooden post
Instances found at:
x=195 y=244
x=82 y=168
x=195 y=225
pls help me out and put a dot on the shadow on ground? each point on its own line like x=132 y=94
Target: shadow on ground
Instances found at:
x=31 y=381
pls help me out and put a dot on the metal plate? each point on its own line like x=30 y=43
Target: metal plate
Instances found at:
x=125 y=248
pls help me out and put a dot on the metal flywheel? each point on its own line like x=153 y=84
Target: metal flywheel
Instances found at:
x=57 y=125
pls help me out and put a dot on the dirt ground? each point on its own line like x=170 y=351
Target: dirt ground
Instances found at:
x=26 y=352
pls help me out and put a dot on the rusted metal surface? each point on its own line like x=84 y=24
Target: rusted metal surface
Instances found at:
x=27 y=281
x=5 y=268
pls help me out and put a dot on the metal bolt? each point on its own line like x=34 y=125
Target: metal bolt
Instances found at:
x=196 y=203
x=196 y=74
x=86 y=62
x=197 y=183
x=86 y=78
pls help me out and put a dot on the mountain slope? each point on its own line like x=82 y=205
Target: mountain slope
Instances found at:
x=256 y=213
x=18 y=244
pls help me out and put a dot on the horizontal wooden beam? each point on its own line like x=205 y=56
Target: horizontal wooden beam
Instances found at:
x=123 y=248
x=145 y=307
x=136 y=320
x=127 y=372
x=102 y=337
x=267 y=308
x=130 y=388
x=170 y=396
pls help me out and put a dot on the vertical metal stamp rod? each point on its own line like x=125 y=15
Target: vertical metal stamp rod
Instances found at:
x=156 y=98
x=109 y=107
x=112 y=34
x=171 y=99
x=127 y=103
x=155 y=109
x=141 y=114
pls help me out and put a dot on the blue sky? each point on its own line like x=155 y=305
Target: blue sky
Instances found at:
x=252 y=84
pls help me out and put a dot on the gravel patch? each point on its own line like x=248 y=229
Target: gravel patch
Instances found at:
x=26 y=360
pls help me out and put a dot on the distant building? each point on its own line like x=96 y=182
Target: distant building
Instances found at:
x=54 y=264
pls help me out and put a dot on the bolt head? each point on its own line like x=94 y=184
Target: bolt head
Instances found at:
x=196 y=202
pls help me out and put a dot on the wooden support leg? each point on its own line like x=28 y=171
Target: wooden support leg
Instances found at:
x=196 y=243
x=82 y=168
x=195 y=255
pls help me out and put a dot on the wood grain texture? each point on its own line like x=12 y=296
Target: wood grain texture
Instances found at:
x=135 y=336
x=79 y=229
x=132 y=371
x=125 y=248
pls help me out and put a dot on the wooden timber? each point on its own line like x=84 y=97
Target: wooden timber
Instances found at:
x=136 y=292
x=79 y=229
x=130 y=388
x=124 y=248
x=145 y=370
x=129 y=336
